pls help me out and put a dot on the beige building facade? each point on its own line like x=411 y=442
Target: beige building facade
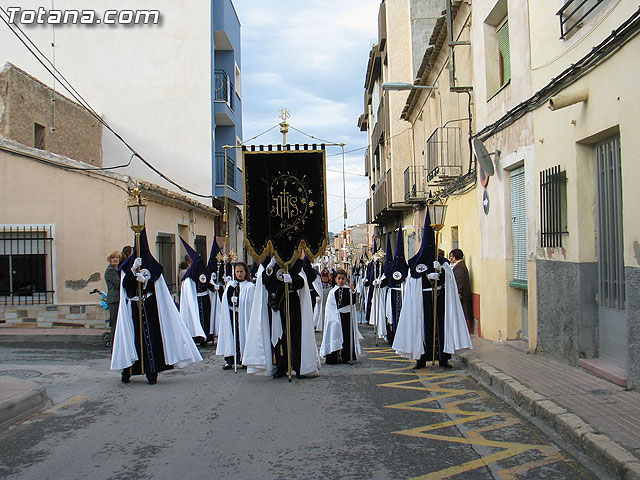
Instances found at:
x=60 y=217
x=541 y=187
x=389 y=150
x=56 y=234
x=586 y=170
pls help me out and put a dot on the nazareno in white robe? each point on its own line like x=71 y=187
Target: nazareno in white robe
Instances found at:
x=189 y=311
x=226 y=344
x=179 y=349
x=332 y=339
x=410 y=337
x=258 y=353
x=309 y=358
x=317 y=312
x=258 y=356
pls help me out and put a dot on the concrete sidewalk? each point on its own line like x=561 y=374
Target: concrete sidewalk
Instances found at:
x=596 y=416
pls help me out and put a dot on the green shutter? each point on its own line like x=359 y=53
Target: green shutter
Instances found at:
x=519 y=225
x=503 y=48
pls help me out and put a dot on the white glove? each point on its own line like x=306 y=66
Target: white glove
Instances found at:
x=376 y=282
x=382 y=277
x=216 y=287
x=433 y=276
x=227 y=279
x=272 y=263
x=318 y=299
x=234 y=300
x=437 y=266
x=234 y=283
x=137 y=263
x=141 y=278
x=286 y=278
x=213 y=279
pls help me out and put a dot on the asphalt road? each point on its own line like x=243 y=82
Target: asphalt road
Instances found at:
x=376 y=419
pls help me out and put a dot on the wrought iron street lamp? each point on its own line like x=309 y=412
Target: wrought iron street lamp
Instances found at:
x=137 y=208
x=437 y=213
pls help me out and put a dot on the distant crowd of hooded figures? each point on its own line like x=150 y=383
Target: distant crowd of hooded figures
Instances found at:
x=259 y=319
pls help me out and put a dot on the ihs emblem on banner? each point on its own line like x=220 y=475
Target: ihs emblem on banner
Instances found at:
x=290 y=203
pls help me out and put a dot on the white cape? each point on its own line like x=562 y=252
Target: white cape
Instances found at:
x=189 y=311
x=456 y=333
x=226 y=344
x=409 y=339
x=178 y=346
x=309 y=358
x=332 y=339
x=378 y=308
x=258 y=354
x=317 y=312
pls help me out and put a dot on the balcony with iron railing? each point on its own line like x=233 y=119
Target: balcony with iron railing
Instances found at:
x=415 y=184
x=382 y=194
x=444 y=158
x=223 y=89
x=231 y=171
x=573 y=14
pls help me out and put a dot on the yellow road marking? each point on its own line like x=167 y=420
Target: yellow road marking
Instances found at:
x=451 y=400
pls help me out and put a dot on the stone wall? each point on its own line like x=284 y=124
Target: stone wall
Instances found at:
x=69 y=129
x=567 y=309
x=52 y=316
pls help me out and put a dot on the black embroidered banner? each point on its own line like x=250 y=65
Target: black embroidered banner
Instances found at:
x=285 y=203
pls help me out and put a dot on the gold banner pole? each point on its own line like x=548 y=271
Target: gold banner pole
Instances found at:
x=140 y=306
x=286 y=296
x=435 y=305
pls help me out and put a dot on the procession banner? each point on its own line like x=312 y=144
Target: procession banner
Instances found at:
x=285 y=202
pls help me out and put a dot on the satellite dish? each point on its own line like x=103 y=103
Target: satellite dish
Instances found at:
x=484 y=157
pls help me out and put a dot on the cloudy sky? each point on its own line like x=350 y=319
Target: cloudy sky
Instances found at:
x=311 y=57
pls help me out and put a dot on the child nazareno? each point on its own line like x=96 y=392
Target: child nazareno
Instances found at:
x=340 y=343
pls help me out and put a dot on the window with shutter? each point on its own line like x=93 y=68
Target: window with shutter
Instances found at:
x=519 y=226
x=503 y=49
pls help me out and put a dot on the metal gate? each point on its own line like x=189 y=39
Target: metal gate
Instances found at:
x=612 y=316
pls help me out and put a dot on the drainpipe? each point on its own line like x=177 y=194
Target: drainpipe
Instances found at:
x=566 y=99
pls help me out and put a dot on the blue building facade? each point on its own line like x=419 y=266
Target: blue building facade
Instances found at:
x=226 y=115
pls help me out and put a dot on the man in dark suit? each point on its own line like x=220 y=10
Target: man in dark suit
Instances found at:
x=461 y=273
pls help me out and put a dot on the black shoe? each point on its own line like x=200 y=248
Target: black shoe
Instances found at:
x=445 y=364
x=152 y=378
x=420 y=365
x=279 y=374
x=126 y=376
x=300 y=377
x=228 y=366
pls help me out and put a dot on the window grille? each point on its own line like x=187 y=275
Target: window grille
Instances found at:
x=165 y=244
x=26 y=264
x=573 y=12
x=519 y=225
x=610 y=245
x=553 y=201
x=505 y=53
